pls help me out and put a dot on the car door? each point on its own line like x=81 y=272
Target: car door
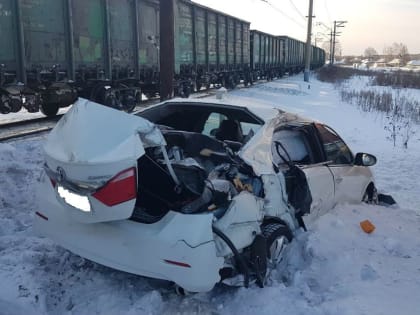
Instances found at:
x=349 y=180
x=321 y=185
x=299 y=143
x=318 y=174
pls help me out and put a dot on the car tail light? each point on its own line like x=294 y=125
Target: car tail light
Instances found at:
x=121 y=188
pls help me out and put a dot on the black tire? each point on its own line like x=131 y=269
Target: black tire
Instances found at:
x=258 y=259
x=49 y=109
x=198 y=86
x=275 y=235
x=274 y=231
x=371 y=195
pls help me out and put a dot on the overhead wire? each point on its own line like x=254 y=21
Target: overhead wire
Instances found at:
x=284 y=14
x=297 y=10
x=327 y=11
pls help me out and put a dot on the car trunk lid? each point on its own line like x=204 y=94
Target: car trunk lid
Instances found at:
x=92 y=153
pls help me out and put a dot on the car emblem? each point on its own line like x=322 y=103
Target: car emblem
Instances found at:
x=61 y=175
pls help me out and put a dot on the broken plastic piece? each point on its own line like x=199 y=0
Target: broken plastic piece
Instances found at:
x=367 y=226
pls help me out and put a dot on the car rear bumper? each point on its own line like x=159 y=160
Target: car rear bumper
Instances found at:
x=178 y=248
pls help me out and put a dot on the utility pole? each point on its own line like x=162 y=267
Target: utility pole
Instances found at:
x=331 y=36
x=336 y=24
x=331 y=44
x=166 y=49
x=308 y=44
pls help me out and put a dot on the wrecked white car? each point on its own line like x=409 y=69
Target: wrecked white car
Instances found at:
x=190 y=191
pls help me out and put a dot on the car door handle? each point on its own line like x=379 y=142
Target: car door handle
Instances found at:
x=338 y=180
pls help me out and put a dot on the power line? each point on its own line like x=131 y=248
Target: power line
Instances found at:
x=284 y=14
x=328 y=11
x=297 y=10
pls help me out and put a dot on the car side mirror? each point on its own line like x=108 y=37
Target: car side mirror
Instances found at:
x=364 y=159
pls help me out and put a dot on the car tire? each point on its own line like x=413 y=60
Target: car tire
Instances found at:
x=278 y=236
x=180 y=291
x=371 y=195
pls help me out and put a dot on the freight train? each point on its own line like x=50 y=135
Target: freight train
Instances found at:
x=54 y=51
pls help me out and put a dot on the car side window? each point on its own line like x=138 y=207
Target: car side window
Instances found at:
x=293 y=145
x=335 y=148
x=249 y=127
x=213 y=123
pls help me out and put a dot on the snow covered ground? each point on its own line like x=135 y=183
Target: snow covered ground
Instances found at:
x=23 y=114
x=334 y=268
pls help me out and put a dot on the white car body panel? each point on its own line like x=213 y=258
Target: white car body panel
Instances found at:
x=321 y=185
x=240 y=222
x=95 y=153
x=138 y=248
x=276 y=203
x=115 y=136
x=351 y=182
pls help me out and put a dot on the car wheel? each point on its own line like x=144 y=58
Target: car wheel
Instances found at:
x=371 y=195
x=180 y=291
x=278 y=236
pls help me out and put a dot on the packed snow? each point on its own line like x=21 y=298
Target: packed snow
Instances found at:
x=334 y=268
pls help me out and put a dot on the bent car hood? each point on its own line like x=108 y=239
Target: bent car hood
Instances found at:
x=94 y=134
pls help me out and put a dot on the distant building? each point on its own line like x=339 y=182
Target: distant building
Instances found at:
x=394 y=63
x=366 y=64
x=413 y=64
x=380 y=63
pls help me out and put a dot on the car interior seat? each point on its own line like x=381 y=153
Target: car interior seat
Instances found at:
x=229 y=130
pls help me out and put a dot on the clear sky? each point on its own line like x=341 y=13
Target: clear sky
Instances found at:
x=374 y=23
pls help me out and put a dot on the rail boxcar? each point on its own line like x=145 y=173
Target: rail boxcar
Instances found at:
x=317 y=57
x=294 y=54
x=108 y=51
x=211 y=47
x=267 y=59
x=105 y=50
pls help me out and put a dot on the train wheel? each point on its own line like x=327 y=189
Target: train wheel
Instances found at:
x=198 y=86
x=4 y=104
x=49 y=109
x=186 y=91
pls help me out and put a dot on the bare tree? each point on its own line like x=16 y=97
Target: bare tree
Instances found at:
x=338 y=49
x=326 y=46
x=397 y=50
x=370 y=53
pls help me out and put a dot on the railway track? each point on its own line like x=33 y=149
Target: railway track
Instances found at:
x=28 y=127
x=22 y=128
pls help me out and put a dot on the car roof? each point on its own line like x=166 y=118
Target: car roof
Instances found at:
x=261 y=111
